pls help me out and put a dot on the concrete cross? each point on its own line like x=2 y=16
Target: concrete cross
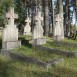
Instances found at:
x=40 y=17
x=57 y=19
x=28 y=21
x=57 y=25
x=11 y=16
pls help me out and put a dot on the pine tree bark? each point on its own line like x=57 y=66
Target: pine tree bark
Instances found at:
x=52 y=3
x=61 y=16
x=46 y=17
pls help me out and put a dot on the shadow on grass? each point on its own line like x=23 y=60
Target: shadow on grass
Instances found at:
x=52 y=73
x=52 y=44
x=40 y=74
x=25 y=42
x=64 y=72
x=5 y=69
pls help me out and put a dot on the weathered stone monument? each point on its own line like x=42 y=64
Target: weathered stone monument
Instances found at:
x=57 y=28
x=27 y=28
x=10 y=32
x=38 y=31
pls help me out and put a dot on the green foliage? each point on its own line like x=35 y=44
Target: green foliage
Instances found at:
x=4 y=5
x=21 y=9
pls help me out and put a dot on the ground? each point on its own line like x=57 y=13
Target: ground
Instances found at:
x=12 y=68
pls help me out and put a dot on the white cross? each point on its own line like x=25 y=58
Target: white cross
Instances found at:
x=40 y=17
x=57 y=25
x=57 y=19
x=11 y=15
x=28 y=21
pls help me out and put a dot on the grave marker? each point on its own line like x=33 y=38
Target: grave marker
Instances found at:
x=27 y=28
x=38 y=30
x=57 y=28
x=10 y=32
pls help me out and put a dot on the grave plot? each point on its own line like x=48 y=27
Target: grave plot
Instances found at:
x=28 y=49
x=32 y=59
x=61 y=46
x=65 y=45
x=67 y=42
x=31 y=52
x=56 y=47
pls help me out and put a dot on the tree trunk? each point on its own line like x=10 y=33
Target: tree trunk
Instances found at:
x=46 y=17
x=61 y=16
x=52 y=4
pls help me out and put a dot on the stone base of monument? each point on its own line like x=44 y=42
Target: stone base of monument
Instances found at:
x=11 y=44
x=58 y=38
x=39 y=41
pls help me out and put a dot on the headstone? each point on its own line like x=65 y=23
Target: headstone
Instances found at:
x=57 y=28
x=27 y=28
x=10 y=32
x=38 y=30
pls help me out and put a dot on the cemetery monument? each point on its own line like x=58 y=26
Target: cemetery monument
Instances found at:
x=10 y=32
x=57 y=28
x=38 y=31
x=27 y=28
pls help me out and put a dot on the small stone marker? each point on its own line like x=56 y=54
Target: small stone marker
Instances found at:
x=57 y=28
x=27 y=28
x=10 y=32
x=38 y=31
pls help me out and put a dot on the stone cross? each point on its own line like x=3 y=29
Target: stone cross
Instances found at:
x=38 y=30
x=27 y=28
x=58 y=19
x=57 y=28
x=28 y=21
x=40 y=17
x=10 y=32
x=11 y=16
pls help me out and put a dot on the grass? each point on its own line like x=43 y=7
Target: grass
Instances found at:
x=67 y=68
x=12 y=68
x=0 y=42
x=70 y=41
x=41 y=55
x=25 y=37
x=28 y=50
x=61 y=47
x=52 y=44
